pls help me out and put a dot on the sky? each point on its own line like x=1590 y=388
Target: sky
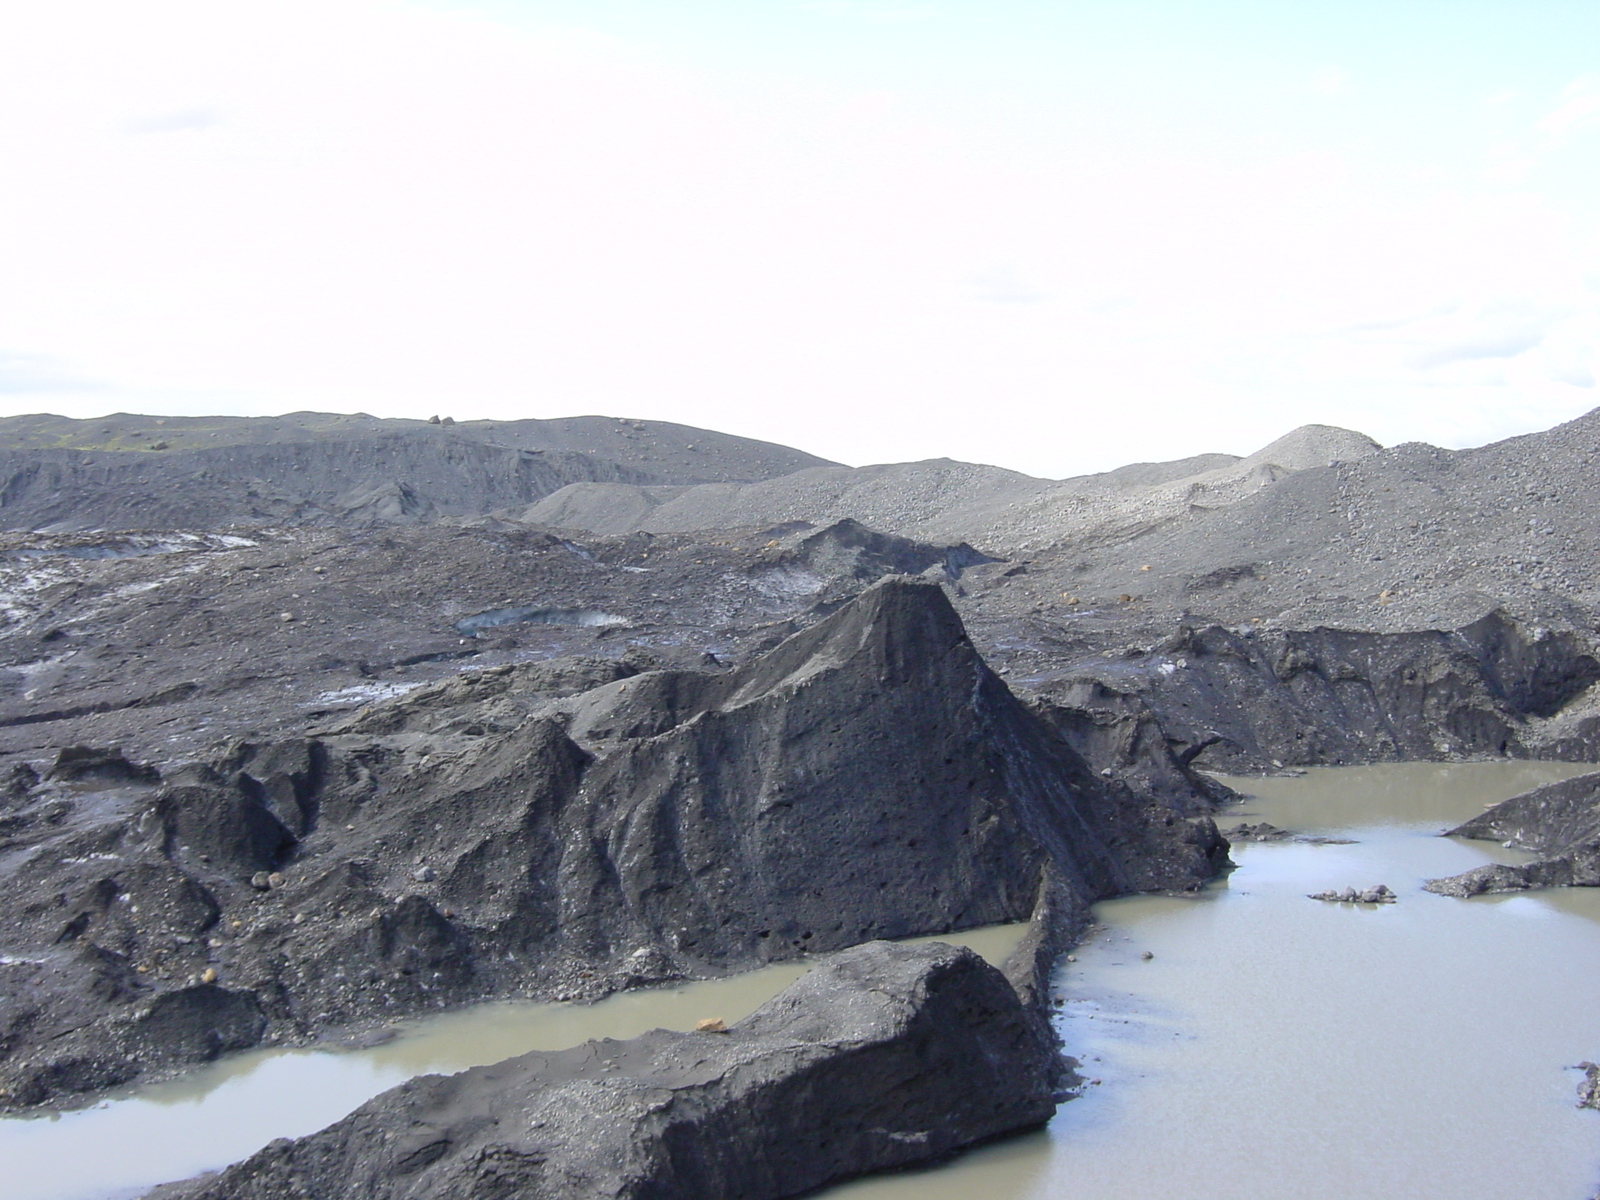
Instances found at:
x=1055 y=235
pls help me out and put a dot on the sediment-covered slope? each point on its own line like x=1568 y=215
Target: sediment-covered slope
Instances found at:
x=1545 y=820
x=880 y=1057
x=165 y=643
x=941 y=499
x=130 y=473
x=903 y=498
x=1408 y=538
x=869 y=777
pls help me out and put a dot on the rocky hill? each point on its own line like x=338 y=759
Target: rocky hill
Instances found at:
x=460 y=846
x=128 y=472
x=943 y=499
x=310 y=724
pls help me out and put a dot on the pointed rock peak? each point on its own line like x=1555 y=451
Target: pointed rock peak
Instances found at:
x=1315 y=446
x=902 y=621
x=901 y=628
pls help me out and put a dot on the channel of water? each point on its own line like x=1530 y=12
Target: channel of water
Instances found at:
x=228 y=1111
x=1279 y=1048
x=1271 y=1048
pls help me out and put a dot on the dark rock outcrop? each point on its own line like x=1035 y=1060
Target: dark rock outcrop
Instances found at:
x=1546 y=820
x=1251 y=700
x=868 y=778
x=1589 y=1088
x=1563 y=871
x=1559 y=820
x=849 y=548
x=883 y=1056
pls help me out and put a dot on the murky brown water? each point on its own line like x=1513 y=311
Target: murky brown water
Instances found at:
x=229 y=1111
x=1277 y=1048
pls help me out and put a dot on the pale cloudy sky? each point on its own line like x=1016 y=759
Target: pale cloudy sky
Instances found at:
x=1057 y=235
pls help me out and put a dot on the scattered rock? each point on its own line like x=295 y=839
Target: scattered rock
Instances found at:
x=19 y=780
x=1263 y=832
x=1372 y=895
x=1589 y=1088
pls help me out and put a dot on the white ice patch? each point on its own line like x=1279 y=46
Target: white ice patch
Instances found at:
x=366 y=693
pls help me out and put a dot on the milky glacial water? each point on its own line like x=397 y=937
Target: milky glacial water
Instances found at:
x=228 y=1111
x=1279 y=1048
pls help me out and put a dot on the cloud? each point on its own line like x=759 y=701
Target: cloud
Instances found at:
x=25 y=374
x=1487 y=330
x=1002 y=285
x=1501 y=345
x=884 y=11
x=1330 y=81
x=1384 y=324
x=1580 y=107
x=185 y=120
